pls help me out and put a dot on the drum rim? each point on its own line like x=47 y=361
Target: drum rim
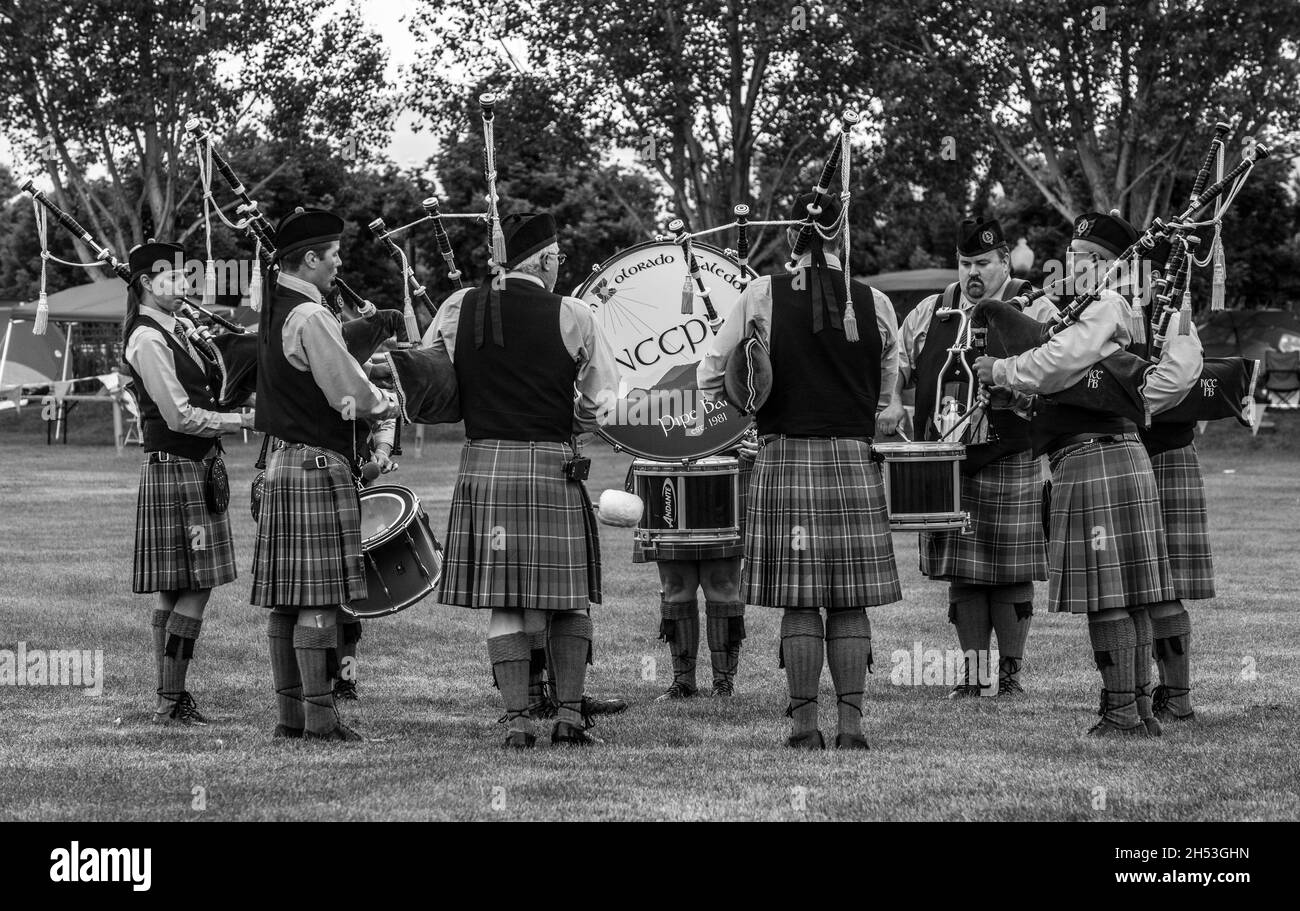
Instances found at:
x=920 y=447
x=591 y=278
x=411 y=500
x=689 y=466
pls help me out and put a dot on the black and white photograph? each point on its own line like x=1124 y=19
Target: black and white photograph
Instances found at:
x=657 y=411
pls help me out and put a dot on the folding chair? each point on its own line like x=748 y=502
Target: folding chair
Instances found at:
x=1282 y=378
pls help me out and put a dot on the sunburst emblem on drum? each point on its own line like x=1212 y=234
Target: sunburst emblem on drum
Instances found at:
x=618 y=308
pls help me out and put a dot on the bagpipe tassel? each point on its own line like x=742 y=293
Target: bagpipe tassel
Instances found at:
x=255 y=281
x=210 y=283
x=412 y=327
x=1219 y=282
x=1185 y=314
x=688 y=296
x=42 y=314
x=850 y=322
x=498 y=245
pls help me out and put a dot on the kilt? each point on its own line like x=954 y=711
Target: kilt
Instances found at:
x=1005 y=544
x=693 y=552
x=1107 y=547
x=1187 y=530
x=520 y=534
x=179 y=542
x=308 y=551
x=817 y=532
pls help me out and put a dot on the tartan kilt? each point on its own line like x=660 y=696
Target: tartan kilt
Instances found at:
x=520 y=534
x=308 y=551
x=1187 y=529
x=817 y=531
x=694 y=552
x=1107 y=547
x=179 y=542
x=1005 y=544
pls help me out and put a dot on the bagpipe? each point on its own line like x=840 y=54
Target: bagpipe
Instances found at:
x=1115 y=384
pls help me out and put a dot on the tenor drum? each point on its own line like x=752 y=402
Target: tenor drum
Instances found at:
x=403 y=559
x=660 y=332
x=693 y=503
x=923 y=485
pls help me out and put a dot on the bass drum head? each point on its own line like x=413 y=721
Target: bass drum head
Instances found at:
x=636 y=298
x=385 y=511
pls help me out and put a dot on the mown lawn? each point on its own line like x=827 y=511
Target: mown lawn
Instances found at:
x=66 y=520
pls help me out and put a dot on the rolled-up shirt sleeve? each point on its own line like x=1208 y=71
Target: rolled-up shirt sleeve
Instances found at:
x=911 y=339
x=441 y=334
x=1181 y=362
x=596 y=384
x=890 y=356
x=753 y=309
x=313 y=341
x=1064 y=359
x=154 y=362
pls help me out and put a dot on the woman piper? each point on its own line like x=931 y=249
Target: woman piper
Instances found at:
x=182 y=534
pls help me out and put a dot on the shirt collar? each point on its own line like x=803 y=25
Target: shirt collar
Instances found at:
x=832 y=261
x=159 y=316
x=294 y=283
x=526 y=276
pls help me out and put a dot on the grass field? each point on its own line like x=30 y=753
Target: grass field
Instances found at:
x=66 y=522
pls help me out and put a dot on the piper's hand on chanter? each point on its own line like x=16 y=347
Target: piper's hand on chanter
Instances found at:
x=984 y=369
x=891 y=419
x=384 y=459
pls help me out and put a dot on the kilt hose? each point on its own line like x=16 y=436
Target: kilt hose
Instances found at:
x=1005 y=544
x=712 y=551
x=520 y=534
x=1106 y=547
x=1187 y=529
x=817 y=532
x=179 y=542
x=308 y=551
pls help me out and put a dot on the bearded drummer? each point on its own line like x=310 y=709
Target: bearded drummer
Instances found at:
x=182 y=543
x=314 y=398
x=991 y=569
x=1107 y=557
x=521 y=538
x=817 y=531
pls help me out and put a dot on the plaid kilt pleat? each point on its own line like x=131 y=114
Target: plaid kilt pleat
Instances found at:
x=1106 y=548
x=308 y=551
x=817 y=531
x=179 y=542
x=693 y=552
x=1187 y=529
x=1005 y=544
x=520 y=534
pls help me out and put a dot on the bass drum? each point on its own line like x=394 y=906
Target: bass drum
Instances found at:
x=645 y=301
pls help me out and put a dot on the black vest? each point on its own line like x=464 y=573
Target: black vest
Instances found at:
x=290 y=406
x=1007 y=432
x=525 y=390
x=823 y=385
x=158 y=437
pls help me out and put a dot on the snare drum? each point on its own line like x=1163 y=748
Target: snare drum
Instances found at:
x=659 y=333
x=694 y=505
x=923 y=485
x=403 y=559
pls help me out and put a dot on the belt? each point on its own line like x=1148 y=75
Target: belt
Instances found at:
x=321 y=460
x=154 y=458
x=1080 y=439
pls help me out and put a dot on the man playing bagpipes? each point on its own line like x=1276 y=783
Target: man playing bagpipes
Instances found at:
x=1107 y=556
x=182 y=536
x=521 y=538
x=990 y=569
x=314 y=398
x=817 y=531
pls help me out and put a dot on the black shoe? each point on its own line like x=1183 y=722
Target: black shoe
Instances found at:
x=184 y=712
x=594 y=705
x=1010 y=687
x=284 y=732
x=965 y=691
x=339 y=733
x=678 y=691
x=567 y=734
x=1109 y=727
x=1160 y=704
x=851 y=742
x=722 y=687
x=345 y=689
x=809 y=740
x=520 y=740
